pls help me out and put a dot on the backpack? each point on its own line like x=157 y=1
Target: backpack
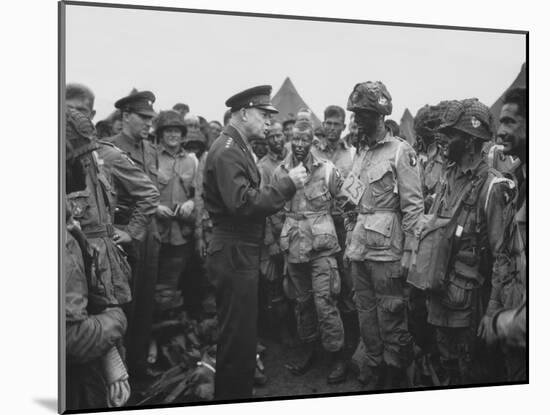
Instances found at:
x=436 y=238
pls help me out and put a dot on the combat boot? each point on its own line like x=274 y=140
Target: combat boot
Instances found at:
x=371 y=377
x=306 y=363
x=338 y=368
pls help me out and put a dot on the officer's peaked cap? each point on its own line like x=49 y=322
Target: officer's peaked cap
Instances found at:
x=256 y=97
x=138 y=102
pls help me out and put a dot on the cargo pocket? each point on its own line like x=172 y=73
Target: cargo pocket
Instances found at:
x=317 y=195
x=323 y=233
x=381 y=181
x=458 y=293
x=79 y=203
x=335 y=282
x=379 y=229
x=284 y=239
x=392 y=305
x=162 y=180
x=214 y=247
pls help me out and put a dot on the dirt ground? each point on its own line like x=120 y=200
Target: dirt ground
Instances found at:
x=280 y=382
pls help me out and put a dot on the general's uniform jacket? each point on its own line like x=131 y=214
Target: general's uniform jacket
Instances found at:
x=391 y=203
x=232 y=191
x=273 y=223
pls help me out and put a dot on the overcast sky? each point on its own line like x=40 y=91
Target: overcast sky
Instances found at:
x=202 y=59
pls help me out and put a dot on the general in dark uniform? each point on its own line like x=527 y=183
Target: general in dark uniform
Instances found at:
x=238 y=208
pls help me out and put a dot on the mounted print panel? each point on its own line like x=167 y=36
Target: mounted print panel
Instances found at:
x=266 y=207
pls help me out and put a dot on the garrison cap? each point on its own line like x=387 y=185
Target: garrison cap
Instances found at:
x=258 y=97
x=138 y=102
x=469 y=116
x=370 y=96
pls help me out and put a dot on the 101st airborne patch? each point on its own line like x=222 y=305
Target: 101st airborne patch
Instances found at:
x=412 y=159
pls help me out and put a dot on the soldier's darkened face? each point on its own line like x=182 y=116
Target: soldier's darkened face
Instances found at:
x=512 y=131
x=276 y=139
x=367 y=123
x=333 y=127
x=301 y=144
x=171 y=137
x=259 y=147
x=456 y=146
x=138 y=125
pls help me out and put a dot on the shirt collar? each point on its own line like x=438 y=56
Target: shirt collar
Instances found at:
x=322 y=145
x=180 y=153
x=275 y=157
x=131 y=141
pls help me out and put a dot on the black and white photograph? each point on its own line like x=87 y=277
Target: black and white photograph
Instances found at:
x=266 y=206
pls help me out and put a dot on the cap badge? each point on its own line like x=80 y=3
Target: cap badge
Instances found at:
x=475 y=122
x=383 y=101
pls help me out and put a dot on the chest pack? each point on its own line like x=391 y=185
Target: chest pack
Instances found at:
x=437 y=238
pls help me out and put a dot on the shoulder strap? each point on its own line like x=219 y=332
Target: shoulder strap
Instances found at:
x=329 y=166
x=496 y=180
x=491 y=155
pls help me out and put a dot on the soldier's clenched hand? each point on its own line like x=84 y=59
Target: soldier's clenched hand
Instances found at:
x=121 y=237
x=186 y=209
x=298 y=175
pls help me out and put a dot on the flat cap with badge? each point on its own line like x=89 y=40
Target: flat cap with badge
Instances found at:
x=256 y=97
x=138 y=102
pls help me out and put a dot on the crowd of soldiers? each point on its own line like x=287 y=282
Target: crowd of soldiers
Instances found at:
x=406 y=264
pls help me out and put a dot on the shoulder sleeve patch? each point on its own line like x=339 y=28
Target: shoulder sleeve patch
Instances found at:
x=413 y=160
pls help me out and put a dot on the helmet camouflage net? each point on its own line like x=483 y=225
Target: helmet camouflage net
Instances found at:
x=370 y=96
x=469 y=116
x=80 y=134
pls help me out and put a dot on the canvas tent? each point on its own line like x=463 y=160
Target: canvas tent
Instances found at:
x=288 y=101
x=519 y=81
x=406 y=127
